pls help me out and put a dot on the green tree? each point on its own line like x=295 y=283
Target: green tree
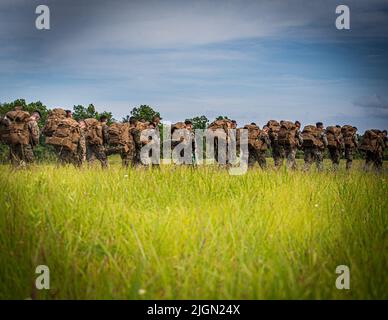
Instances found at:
x=200 y=122
x=143 y=112
x=80 y=112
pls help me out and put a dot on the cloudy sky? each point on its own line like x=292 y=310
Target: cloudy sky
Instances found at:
x=250 y=60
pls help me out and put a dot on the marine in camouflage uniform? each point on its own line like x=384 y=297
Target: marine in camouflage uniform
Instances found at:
x=134 y=157
x=277 y=151
x=335 y=152
x=95 y=151
x=349 y=152
x=22 y=155
x=316 y=154
x=77 y=157
x=376 y=158
x=290 y=150
x=258 y=155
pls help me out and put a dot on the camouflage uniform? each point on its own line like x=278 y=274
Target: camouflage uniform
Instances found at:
x=134 y=157
x=316 y=154
x=277 y=151
x=375 y=159
x=76 y=157
x=21 y=155
x=335 y=156
x=82 y=147
x=349 y=152
x=258 y=155
x=95 y=151
x=335 y=153
x=290 y=151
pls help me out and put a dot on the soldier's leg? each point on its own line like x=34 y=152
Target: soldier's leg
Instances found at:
x=90 y=153
x=277 y=156
x=261 y=159
x=251 y=157
x=290 y=154
x=101 y=156
x=348 y=157
x=378 y=161
x=16 y=155
x=368 y=160
x=308 y=159
x=28 y=154
x=319 y=159
x=334 y=157
x=125 y=159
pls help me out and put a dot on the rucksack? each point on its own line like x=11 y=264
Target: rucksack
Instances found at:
x=348 y=133
x=52 y=121
x=4 y=130
x=274 y=127
x=177 y=126
x=142 y=125
x=311 y=137
x=370 y=140
x=254 y=140
x=94 y=133
x=16 y=131
x=287 y=133
x=120 y=135
x=66 y=135
x=219 y=124
x=333 y=135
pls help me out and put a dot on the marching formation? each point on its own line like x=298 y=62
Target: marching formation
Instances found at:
x=87 y=140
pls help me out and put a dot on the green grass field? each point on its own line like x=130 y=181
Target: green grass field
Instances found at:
x=183 y=233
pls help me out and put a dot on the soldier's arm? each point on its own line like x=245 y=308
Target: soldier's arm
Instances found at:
x=324 y=139
x=34 y=131
x=300 y=138
x=105 y=133
x=82 y=145
x=355 y=140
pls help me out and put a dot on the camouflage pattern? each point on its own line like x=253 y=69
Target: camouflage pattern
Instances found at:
x=278 y=154
x=349 y=153
x=310 y=155
x=134 y=157
x=290 y=151
x=335 y=156
x=21 y=155
x=375 y=159
x=258 y=155
x=97 y=152
x=82 y=147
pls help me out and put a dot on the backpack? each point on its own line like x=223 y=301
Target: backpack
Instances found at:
x=287 y=133
x=52 y=121
x=120 y=136
x=16 y=132
x=274 y=127
x=177 y=126
x=348 y=133
x=4 y=131
x=66 y=135
x=94 y=133
x=142 y=125
x=254 y=140
x=311 y=137
x=219 y=124
x=333 y=136
x=370 y=140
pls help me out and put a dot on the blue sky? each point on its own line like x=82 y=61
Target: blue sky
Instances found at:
x=250 y=60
